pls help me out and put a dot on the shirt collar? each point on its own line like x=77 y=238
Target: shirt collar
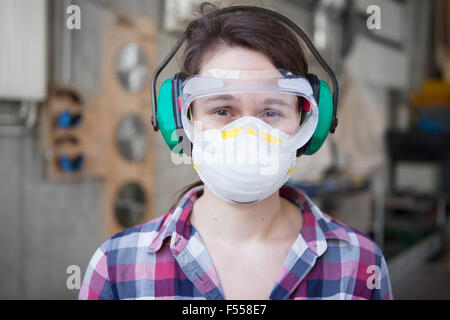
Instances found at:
x=317 y=227
x=177 y=224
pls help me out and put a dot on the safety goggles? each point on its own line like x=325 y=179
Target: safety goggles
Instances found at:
x=216 y=98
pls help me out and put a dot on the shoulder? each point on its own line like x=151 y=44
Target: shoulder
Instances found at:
x=360 y=239
x=112 y=266
x=368 y=249
x=370 y=275
x=139 y=236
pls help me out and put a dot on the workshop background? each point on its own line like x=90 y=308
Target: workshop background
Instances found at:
x=79 y=160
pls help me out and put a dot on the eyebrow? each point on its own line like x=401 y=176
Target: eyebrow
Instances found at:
x=277 y=101
x=221 y=97
x=268 y=101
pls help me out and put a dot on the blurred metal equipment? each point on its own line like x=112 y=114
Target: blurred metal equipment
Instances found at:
x=129 y=206
x=406 y=263
x=177 y=14
x=132 y=68
x=326 y=10
x=132 y=138
x=23 y=54
x=23 y=64
x=442 y=37
x=17 y=118
x=71 y=65
x=379 y=192
x=357 y=202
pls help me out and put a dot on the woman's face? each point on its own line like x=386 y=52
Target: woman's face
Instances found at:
x=278 y=110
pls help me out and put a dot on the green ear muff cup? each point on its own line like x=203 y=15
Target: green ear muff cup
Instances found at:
x=165 y=114
x=325 y=119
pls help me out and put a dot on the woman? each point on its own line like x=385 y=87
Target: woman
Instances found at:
x=240 y=233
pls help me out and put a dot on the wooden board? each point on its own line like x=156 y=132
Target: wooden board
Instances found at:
x=87 y=138
x=115 y=103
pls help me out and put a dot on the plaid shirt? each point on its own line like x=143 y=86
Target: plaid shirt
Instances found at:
x=165 y=258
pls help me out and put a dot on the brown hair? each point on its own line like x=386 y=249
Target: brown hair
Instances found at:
x=253 y=30
x=256 y=30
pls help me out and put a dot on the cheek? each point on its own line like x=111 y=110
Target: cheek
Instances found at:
x=202 y=120
x=292 y=124
x=292 y=129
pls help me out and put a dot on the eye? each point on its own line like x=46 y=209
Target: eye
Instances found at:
x=272 y=114
x=222 y=112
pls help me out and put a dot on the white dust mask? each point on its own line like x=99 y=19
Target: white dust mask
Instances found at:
x=245 y=161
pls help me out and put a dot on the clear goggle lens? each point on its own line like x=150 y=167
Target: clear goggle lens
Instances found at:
x=216 y=98
x=282 y=111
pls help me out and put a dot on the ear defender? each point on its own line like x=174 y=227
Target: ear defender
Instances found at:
x=324 y=99
x=166 y=110
x=325 y=103
x=165 y=114
x=169 y=116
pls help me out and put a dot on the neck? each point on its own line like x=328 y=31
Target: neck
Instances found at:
x=270 y=219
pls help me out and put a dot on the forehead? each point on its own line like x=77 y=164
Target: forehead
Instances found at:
x=236 y=58
x=269 y=97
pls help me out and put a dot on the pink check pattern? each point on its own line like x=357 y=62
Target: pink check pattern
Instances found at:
x=165 y=258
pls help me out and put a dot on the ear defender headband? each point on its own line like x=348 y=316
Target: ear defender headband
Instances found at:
x=166 y=111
